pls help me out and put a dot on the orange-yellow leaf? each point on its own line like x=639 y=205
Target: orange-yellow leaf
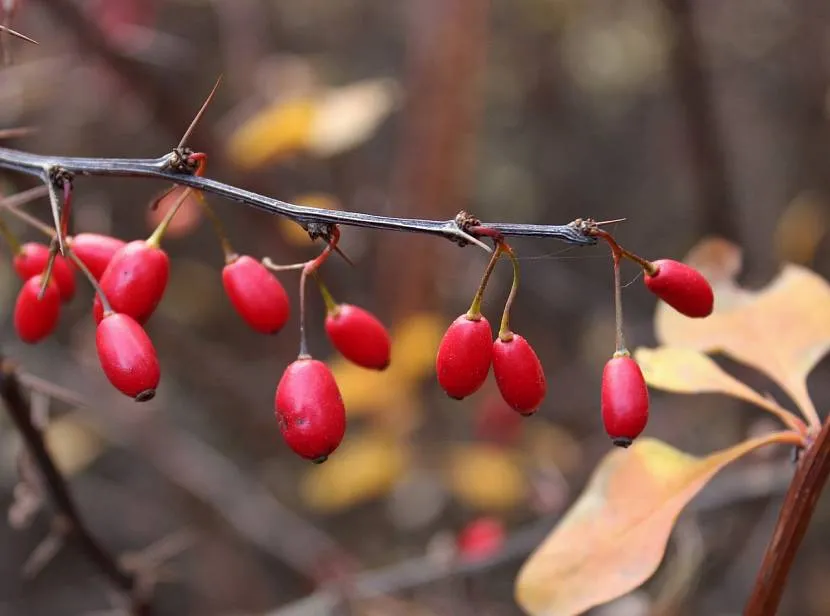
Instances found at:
x=486 y=477
x=801 y=228
x=364 y=467
x=293 y=233
x=276 y=131
x=782 y=330
x=614 y=537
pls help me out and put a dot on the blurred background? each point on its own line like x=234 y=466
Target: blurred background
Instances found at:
x=689 y=118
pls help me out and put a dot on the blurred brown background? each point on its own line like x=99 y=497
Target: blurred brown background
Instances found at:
x=688 y=118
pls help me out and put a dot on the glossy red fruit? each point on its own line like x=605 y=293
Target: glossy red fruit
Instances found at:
x=519 y=374
x=359 y=336
x=624 y=400
x=34 y=318
x=309 y=409
x=681 y=287
x=256 y=294
x=464 y=356
x=480 y=539
x=128 y=356
x=32 y=260
x=134 y=281
x=95 y=251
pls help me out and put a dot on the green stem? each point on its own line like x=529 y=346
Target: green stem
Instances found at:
x=154 y=241
x=474 y=313
x=218 y=229
x=504 y=330
x=332 y=306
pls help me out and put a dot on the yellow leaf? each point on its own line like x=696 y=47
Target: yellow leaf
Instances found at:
x=801 y=228
x=73 y=444
x=614 y=537
x=782 y=330
x=347 y=116
x=364 y=468
x=486 y=477
x=293 y=233
x=274 y=132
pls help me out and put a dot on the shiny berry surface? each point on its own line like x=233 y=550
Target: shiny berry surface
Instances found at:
x=624 y=400
x=359 y=336
x=95 y=251
x=309 y=409
x=134 y=281
x=519 y=374
x=32 y=260
x=35 y=319
x=464 y=356
x=257 y=296
x=681 y=287
x=127 y=356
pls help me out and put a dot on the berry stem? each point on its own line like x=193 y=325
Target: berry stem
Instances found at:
x=94 y=283
x=218 y=229
x=474 y=313
x=504 y=330
x=310 y=268
x=10 y=237
x=154 y=241
x=648 y=267
x=66 y=210
x=618 y=311
x=268 y=263
x=331 y=305
x=54 y=248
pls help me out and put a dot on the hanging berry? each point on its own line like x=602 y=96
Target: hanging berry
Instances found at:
x=518 y=373
x=682 y=287
x=31 y=259
x=464 y=356
x=127 y=356
x=480 y=539
x=95 y=250
x=624 y=399
x=359 y=336
x=35 y=318
x=309 y=409
x=257 y=296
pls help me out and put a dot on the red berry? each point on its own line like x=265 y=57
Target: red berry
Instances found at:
x=32 y=260
x=128 y=356
x=134 y=281
x=480 y=539
x=359 y=336
x=519 y=374
x=309 y=409
x=624 y=400
x=464 y=356
x=496 y=422
x=256 y=294
x=681 y=287
x=95 y=251
x=34 y=318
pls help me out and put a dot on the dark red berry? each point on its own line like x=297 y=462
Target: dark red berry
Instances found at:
x=464 y=356
x=95 y=251
x=34 y=318
x=309 y=409
x=519 y=374
x=359 y=336
x=128 y=356
x=496 y=422
x=480 y=539
x=32 y=260
x=134 y=281
x=624 y=400
x=256 y=294
x=681 y=287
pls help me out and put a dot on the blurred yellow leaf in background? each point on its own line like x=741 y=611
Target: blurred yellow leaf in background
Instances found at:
x=293 y=233
x=486 y=477
x=615 y=535
x=74 y=445
x=801 y=228
x=366 y=467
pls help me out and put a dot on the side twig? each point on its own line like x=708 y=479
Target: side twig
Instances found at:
x=18 y=408
x=796 y=512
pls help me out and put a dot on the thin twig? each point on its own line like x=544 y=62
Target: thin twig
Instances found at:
x=796 y=512
x=159 y=168
x=18 y=408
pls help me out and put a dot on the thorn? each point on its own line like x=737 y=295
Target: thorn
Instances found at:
x=345 y=257
x=18 y=34
x=609 y=222
x=198 y=117
x=13 y=133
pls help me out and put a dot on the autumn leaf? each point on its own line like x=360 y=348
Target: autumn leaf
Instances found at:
x=293 y=233
x=782 y=330
x=615 y=535
x=485 y=477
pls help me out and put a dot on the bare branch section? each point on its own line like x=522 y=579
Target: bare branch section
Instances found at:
x=163 y=169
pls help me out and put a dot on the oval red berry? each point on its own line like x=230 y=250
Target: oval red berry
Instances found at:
x=35 y=319
x=519 y=374
x=309 y=409
x=134 y=281
x=681 y=287
x=32 y=260
x=256 y=295
x=464 y=356
x=359 y=336
x=624 y=400
x=127 y=356
x=95 y=251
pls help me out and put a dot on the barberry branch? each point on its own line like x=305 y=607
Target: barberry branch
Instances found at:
x=164 y=168
x=18 y=408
